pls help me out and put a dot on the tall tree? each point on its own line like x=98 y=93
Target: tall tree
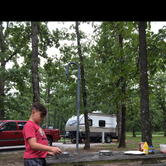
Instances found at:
x=13 y=39
x=144 y=92
x=87 y=139
x=3 y=64
x=122 y=142
x=34 y=62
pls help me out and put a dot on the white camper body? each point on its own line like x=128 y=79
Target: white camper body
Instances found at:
x=98 y=123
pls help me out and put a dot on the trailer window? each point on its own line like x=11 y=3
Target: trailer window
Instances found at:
x=101 y=123
x=90 y=122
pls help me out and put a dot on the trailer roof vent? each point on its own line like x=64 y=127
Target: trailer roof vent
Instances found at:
x=98 y=112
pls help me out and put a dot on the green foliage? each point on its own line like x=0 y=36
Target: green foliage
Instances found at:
x=104 y=63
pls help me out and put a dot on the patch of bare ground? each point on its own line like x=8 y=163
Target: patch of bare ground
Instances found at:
x=12 y=159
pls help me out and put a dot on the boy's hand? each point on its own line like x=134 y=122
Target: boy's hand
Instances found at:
x=50 y=153
x=56 y=150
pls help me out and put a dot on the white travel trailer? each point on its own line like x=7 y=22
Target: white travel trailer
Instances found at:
x=98 y=123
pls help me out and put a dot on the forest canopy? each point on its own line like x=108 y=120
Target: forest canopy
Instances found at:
x=105 y=64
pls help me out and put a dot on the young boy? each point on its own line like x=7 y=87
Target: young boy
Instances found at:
x=36 y=143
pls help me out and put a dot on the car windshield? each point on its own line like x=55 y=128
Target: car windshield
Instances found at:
x=1 y=123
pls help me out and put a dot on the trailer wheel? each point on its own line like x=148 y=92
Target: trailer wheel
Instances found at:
x=49 y=141
x=108 y=139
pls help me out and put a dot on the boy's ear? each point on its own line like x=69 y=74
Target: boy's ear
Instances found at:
x=33 y=111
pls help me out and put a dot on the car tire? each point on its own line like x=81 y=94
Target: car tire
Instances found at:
x=49 y=141
x=108 y=139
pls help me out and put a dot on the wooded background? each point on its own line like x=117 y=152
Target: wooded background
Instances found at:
x=110 y=63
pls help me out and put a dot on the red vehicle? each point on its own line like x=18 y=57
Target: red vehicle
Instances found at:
x=11 y=133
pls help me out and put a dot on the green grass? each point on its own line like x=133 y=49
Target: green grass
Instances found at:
x=156 y=140
x=158 y=133
x=139 y=133
x=62 y=140
x=132 y=143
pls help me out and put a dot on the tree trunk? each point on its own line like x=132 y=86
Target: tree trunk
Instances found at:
x=119 y=120
x=54 y=119
x=34 y=62
x=109 y=106
x=3 y=64
x=164 y=122
x=132 y=119
x=87 y=139
x=2 y=94
x=122 y=135
x=134 y=135
x=144 y=93
x=122 y=142
x=47 y=118
x=58 y=120
x=48 y=100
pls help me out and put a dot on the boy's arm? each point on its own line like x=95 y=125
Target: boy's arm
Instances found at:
x=50 y=153
x=36 y=146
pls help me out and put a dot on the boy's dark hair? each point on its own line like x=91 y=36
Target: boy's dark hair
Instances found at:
x=39 y=107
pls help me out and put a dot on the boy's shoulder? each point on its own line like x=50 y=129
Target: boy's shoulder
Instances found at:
x=30 y=127
x=30 y=124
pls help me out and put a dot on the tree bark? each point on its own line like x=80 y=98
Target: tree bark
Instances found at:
x=121 y=114
x=164 y=122
x=119 y=120
x=48 y=100
x=87 y=132
x=2 y=93
x=3 y=64
x=34 y=62
x=122 y=142
x=144 y=93
x=55 y=119
x=132 y=119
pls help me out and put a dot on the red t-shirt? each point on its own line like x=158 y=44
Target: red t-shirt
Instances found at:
x=31 y=129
